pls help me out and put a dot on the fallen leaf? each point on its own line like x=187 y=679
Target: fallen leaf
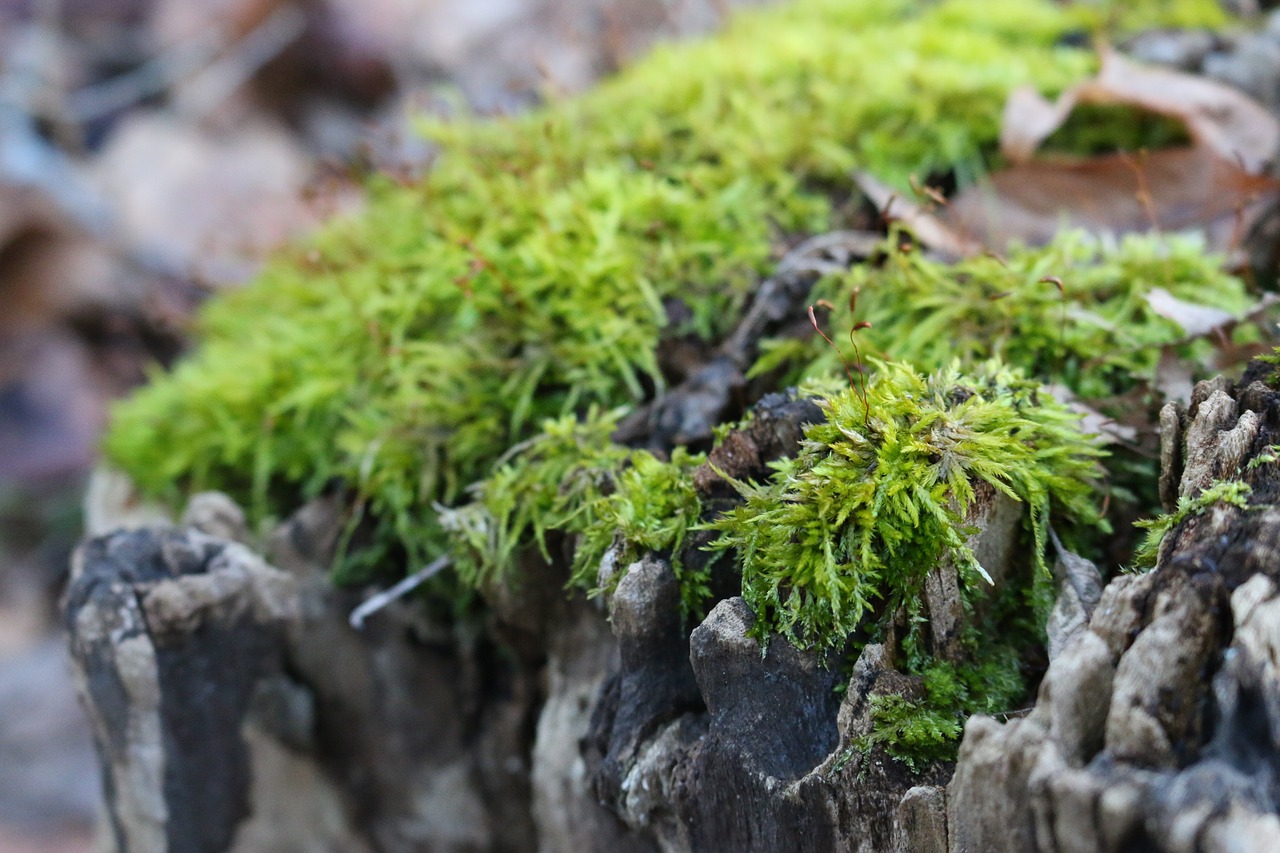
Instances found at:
x=1218 y=185
x=1196 y=320
x=1171 y=190
x=1219 y=118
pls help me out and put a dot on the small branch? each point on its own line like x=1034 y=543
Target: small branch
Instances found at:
x=380 y=600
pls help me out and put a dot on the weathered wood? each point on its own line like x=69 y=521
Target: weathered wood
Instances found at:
x=235 y=708
x=1158 y=727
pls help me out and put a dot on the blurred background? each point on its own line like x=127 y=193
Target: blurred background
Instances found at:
x=152 y=152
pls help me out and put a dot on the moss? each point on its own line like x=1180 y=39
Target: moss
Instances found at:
x=1232 y=492
x=554 y=482
x=652 y=508
x=484 y=325
x=571 y=480
x=529 y=274
x=878 y=492
x=1096 y=333
x=835 y=548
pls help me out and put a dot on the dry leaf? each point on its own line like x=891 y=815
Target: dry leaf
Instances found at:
x=1219 y=118
x=1173 y=189
x=212 y=204
x=1218 y=185
x=1196 y=320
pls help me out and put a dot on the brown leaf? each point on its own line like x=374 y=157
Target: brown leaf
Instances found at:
x=1219 y=118
x=1172 y=189
x=1217 y=185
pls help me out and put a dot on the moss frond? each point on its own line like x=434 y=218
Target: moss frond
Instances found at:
x=878 y=493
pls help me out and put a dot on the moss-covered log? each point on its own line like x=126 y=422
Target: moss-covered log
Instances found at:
x=1157 y=726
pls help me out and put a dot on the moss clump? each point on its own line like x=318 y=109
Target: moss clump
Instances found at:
x=531 y=272
x=571 y=480
x=835 y=548
x=652 y=508
x=1096 y=333
x=1233 y=492
x=553 y=482
x=878 y=493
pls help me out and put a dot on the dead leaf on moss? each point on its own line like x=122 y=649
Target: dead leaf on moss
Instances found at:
x=1217 y=185
x=1219 y=118
x=1174 y=189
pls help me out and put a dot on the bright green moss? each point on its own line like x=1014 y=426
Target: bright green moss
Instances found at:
x=651 y=509
x=571 y=480
x=835 y=548
x=525 y=276
x=878 y=494
x=1097 y=334
x=554 y=482
x=1232 y=492
x=528 y=275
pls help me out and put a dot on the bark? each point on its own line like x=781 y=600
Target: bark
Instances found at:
x=236 y=709
x=1157 y=726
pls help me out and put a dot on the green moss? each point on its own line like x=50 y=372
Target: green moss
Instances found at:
x=1233 y=492
x=571 y=480
x=651 y=509
x=554 y=482
x=484 y=325
x=1097 y=334
x=526 y=275
x=878 y=493
x=835 y=548
x=1096 y=129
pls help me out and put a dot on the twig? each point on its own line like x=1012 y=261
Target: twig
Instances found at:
x=258 y=47
x=150 y=78
x=379 y=600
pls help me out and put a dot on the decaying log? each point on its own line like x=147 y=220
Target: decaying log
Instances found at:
x=236 y=709
x=1157 y=727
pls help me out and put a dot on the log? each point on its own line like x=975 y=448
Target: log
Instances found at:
x=1157 y=726
x=235 y=708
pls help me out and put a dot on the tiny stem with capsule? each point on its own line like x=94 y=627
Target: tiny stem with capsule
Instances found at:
x=860 y=387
